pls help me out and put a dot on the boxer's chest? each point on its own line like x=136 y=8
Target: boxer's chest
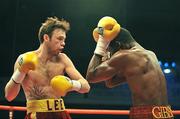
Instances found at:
x=45 y=72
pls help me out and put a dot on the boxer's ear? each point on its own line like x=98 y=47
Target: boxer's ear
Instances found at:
x=46 y=37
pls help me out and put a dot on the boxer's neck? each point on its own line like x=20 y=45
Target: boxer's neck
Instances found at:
x=43 y=54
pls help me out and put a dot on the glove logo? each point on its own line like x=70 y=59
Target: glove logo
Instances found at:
x=20 y=61
x=100 y=30
x=108 y=27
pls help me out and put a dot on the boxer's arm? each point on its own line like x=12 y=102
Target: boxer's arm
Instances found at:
x=99 y=71
x=23 y=64
x=115 y=81
x=12 y=88
x=75 y=75
x=62 y=85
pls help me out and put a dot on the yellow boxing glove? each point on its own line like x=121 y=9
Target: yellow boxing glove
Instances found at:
x=108 y=27
x=26 y=62
x=62 y=85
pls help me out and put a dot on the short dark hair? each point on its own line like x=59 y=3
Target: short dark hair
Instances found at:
x=50 y=25
x=125 y=36
x=124 y=40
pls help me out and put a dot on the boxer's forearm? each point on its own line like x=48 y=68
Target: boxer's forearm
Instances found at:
x=97 y=71
x=11 y=90
x=95 y=61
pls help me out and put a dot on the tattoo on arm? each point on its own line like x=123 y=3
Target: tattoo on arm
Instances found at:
x=97 y=60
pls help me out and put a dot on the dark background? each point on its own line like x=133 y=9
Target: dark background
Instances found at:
x=155 y=24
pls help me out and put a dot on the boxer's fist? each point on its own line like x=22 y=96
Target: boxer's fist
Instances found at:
x=27 y=61
x=108 y=27
x=62 y=85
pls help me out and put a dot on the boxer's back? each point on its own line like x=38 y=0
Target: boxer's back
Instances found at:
x=144 y=76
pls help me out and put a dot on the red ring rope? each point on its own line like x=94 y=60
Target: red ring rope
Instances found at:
x=82 y=111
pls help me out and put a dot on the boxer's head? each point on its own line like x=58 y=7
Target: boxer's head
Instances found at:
x=124 y=40
x=50 y=25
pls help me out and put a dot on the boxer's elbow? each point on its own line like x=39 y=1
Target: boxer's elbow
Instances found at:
x=87 y=89
x=84 y=90
x=90 y=78
x=8 y=97
x=7 y=94
x=10 y=94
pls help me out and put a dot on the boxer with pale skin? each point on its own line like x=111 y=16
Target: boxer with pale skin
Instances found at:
x=41 y=74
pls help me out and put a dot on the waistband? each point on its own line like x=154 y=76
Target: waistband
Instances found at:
x=45 y=105
x=157 y=111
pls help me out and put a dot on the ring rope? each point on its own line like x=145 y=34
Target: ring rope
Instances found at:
x=82 y=111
